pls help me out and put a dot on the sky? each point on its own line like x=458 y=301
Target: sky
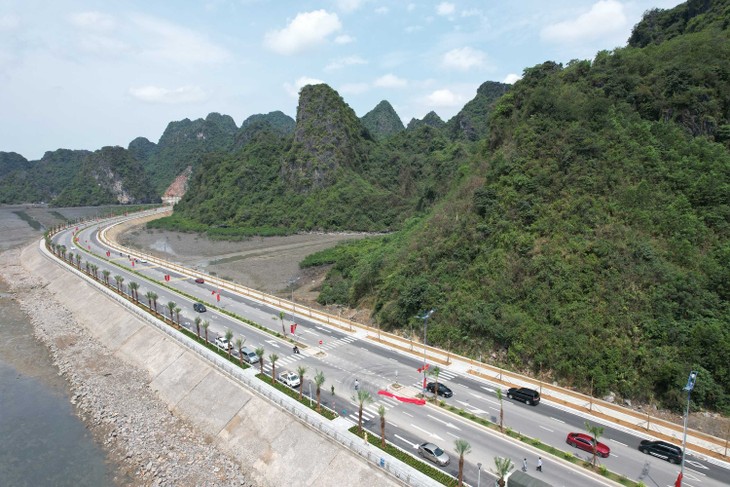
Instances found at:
x=83 y=74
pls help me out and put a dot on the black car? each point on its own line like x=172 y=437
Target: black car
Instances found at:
x=529 y=396
x=443 y=390
x=661 y=449
x=199 y=307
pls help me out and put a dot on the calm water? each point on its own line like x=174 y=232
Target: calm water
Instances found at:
x=42 y=442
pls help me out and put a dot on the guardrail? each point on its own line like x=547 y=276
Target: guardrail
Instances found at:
x=391 y=465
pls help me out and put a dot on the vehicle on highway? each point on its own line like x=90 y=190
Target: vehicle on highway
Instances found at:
x=199 y=307
x=529 y=396
x=143 y=261
x=661 y=449
x=289 y=378
x=584 y=442
x=249 y=355
x=443 y=390
x=432 y=452
x=200 y=280
x=222 y=342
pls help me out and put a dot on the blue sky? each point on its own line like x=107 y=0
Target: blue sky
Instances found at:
x=82 y=74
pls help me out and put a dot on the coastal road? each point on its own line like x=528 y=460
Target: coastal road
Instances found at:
x=344 y=357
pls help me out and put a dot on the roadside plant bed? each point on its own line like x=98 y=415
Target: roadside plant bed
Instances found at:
x=409 y=460
x=602 y=470
x=294 y=393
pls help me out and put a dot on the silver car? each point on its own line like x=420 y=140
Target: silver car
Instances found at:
x=433 y=453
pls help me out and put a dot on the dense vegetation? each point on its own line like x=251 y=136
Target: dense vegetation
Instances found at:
x=587 y=240
x=382 y=121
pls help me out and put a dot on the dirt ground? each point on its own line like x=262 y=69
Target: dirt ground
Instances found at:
x=268 y=264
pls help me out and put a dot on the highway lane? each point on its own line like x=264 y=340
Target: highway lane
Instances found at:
x=376 y=367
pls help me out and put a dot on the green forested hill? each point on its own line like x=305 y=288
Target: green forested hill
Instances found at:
x=382 y=121
x=108 y=176
x=37 y=181
x=588 y=240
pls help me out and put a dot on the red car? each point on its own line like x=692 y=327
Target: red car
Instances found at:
x=585 y=442
x=200 y=280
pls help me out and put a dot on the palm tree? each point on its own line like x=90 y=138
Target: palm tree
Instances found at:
x=301 y=370
x=171 y=306
x=462 y=448
x=133 y=286
x=94 y=269
x=273 y=358
x=239 y=346
x=229 y=337
x=78 y=261
x=434 y=372
x=149 y=296
x=154 y=300
x=260 y=355
x=361 y=397
x=63 y=251
x=177 y=313
x=106 y=274
x=71 y=256
x=281 y=318
x=381 y=413
x=119 y=279
x=197 y=324
x=596 y=432
x=501 y=410
x=318 y=381
x=502 y=467
x=87 y=266
x=206 y=324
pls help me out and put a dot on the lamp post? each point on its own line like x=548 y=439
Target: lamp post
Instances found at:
x=479 y=474
x=425 y=318
x=690 y=385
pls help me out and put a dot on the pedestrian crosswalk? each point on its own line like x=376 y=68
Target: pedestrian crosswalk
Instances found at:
x=370 y=411
x=444 y=376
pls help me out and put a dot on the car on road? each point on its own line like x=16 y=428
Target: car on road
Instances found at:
x=432 y=452
x=290 y=379
x=661 y=449
x=143 y=261
x=222 y=342
x=443 y=390
x=199 y=280
x=529 y=396
x=199 y=307
x=584 y=442
x=249 y=355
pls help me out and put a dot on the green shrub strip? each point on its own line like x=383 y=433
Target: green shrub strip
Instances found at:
x=294 y=393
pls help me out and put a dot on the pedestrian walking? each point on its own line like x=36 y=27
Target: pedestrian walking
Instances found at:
x=333 y=389
x=524 y=464
x=357 y=385
x=539 y=464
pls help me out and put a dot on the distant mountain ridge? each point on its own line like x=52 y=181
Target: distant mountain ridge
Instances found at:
x=382 y=121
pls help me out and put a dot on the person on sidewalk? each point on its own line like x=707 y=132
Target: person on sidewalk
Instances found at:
x=357 y=385
x=524 y=464
x=539 y=464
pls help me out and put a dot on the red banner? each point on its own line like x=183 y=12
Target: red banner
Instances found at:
x=410 y=400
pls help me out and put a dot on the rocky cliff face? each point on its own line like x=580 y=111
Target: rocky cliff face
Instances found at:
x=328 y=137
x=179 y=186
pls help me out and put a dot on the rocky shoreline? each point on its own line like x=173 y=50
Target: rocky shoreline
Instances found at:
x=148 y=443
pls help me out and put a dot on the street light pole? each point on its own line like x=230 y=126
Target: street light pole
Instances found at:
x=425 y=318
x=479 y=474
x=690 y=385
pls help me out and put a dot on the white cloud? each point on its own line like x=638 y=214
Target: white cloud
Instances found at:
x=349 y=5
x=307 y=30
x=605 y=17
x=354 y=88
x=390 y=81
x=9 y=22
x=344 y=39
x=301 y=82
x=444 y=98
x=464 y=58
x=382 y=10
x=156 y=94
x=511 y=78
x=445 y=8
x=92 y=21
x=169 y=42
x=343 y=62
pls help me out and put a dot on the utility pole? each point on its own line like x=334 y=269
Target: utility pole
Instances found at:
x=690 y=385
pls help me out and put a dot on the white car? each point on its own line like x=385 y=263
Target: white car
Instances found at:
x=289 y=378
x=221 y=342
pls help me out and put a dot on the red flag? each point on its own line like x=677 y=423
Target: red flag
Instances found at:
x=218 y=297
x=678 y=483
x=212 y=292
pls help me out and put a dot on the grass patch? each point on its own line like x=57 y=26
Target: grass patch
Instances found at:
x=294 y=393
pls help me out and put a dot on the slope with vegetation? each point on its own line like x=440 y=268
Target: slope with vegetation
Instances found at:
x=588 y=241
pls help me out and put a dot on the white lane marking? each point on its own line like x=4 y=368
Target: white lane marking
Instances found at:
x=695 y=464
x=558 y=420
x=478 y=396
x=273 y=343
x=488 y=389
x=452 y=434
x=547 y=429
x=616 y=441
x=450 y=425
x=414 y=445
x=323 y=329
x=426 y=432
x=408 y=414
